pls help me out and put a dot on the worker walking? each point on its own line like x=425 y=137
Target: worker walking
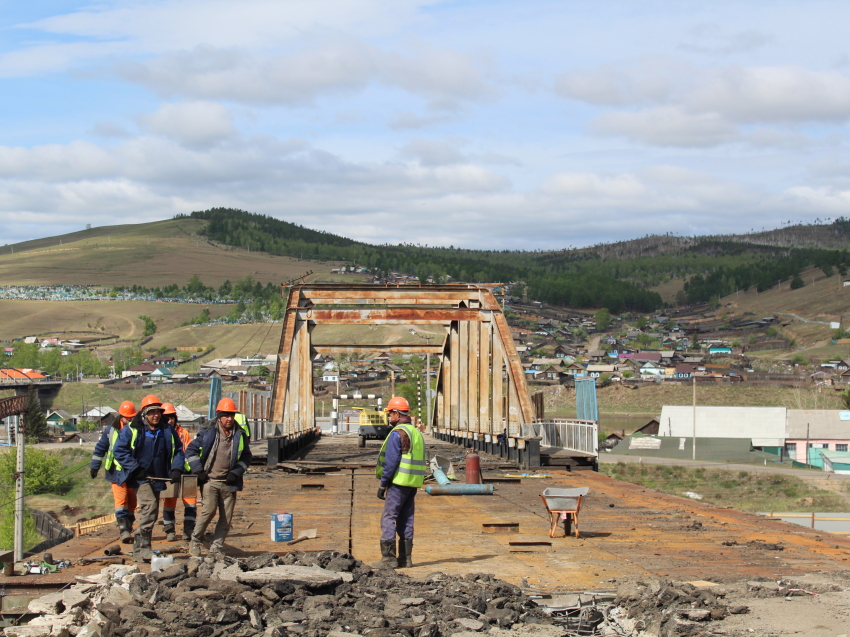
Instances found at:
x=401 y=470
x=123 y=496
x=219 y=456
x=169 y=505
x=150 y=452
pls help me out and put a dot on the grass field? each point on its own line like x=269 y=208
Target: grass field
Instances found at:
x=31 y=318
x=743 y=490
x=149 y=254
x=649 y=399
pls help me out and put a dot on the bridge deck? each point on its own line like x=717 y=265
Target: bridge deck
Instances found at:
x=627 y=531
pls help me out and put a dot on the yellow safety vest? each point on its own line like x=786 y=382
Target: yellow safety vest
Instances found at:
x=243 y=422
x=411 y=469
x=110 y=455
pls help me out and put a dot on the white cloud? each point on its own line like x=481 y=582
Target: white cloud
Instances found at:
x=299 y=78
x=711 y=39
x=667 y=126
x=773 y=95
x=433 y=153
x=199 y=124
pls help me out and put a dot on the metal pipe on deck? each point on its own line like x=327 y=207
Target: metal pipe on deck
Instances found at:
x=459 y=489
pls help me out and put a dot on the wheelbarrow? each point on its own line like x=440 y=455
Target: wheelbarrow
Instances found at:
x=563 y=504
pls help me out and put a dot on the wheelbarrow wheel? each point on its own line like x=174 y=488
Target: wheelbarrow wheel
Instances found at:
x=568 y=522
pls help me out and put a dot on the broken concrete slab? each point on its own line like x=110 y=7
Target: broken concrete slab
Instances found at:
x=73 y=598
x=299 y=575
x=50 y=604
x=470 y=624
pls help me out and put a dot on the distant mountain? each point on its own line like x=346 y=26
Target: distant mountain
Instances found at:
x=614 y=275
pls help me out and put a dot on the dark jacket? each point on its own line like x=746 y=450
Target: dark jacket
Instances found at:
x=201 y=451
x=128 y=448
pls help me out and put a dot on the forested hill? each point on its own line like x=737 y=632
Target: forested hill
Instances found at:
x=586 y=278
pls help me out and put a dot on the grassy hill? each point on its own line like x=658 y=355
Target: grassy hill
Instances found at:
x=149 y=254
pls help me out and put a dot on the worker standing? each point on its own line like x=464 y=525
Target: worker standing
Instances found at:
x=169 y=519
x=122 y=495
x=219 y=456
x=401 y=470
x=150 y=451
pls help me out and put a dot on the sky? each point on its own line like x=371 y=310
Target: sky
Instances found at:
x=482 y=124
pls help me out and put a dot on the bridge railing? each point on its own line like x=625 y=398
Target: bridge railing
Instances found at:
x=566 y=433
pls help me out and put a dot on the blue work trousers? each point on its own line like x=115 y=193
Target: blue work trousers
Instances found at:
x=397 y=517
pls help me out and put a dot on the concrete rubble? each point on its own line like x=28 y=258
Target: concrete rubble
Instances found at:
x=318 y=594
x=305 y=594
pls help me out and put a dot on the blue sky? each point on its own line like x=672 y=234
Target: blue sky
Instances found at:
x=491 y=124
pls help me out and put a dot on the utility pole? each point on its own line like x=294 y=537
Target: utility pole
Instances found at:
x=19 y=491
x=694 y=445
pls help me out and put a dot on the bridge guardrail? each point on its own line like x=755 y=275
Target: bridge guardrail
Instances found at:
x=566 y=433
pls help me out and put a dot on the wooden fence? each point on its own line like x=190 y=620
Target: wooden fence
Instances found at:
x=81 y=528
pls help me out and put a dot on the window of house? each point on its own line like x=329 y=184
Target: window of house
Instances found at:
x=791 y=448
x=840 y=447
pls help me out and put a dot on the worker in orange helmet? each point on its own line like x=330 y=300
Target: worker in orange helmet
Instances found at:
x=219 y=456
x=401 y=470
x=169 y=415
x=123 y=496
x=151 y=453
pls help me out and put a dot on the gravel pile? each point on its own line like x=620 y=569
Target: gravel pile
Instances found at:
x=306 y=594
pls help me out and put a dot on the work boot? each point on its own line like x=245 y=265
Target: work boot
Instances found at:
x=188 y=529
x=195 y=548
x=405 y=550
x=388 y=556
x=142 y=550
x=170 y=535
x=126 y=529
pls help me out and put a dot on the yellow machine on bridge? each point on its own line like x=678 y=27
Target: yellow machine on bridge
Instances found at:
x=374 y=425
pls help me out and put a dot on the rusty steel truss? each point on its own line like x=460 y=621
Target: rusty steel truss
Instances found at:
x=480 y=383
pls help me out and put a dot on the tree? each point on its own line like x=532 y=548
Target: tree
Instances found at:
x=695 y=342
x=603 y=319
x=34 y=419
x=827 y=272
x=714 y=302
x=150 y=325
x=43 y=471
x=845 y=398
x=642 y=322
x=797 y=283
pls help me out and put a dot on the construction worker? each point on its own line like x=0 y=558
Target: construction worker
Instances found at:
x=150 y=452
x=123 y=496
x=401 y=470
x=169 y=520
x=219 y=456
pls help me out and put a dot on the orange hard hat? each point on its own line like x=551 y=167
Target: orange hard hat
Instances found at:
x=398 y=403
x=168 y=408
x=127 y=409
x=149 y=400
x=226 y=405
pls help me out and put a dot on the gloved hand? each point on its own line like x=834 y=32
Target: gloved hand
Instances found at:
x=382 y=493
x=231 y=478
x=203 y=477
x=176 y=475
x=139 y=474
x=93 y=473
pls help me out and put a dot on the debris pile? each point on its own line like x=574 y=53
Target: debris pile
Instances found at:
x=307 y=594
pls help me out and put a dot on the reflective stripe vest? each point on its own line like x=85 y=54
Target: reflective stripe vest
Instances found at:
x=110 y=455
x=411 y=469
x=242 y=422
x=135 y=433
